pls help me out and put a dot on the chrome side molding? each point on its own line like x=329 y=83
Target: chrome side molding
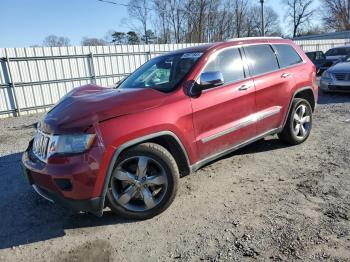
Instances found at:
x=41 y=193
x=207 y=160
x=252 y=119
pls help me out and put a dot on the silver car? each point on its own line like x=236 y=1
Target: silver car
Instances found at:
x=337 y=78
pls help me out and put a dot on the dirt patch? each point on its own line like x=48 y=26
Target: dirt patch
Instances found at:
x=97 y=250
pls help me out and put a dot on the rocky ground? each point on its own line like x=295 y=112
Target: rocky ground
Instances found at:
x=264 y=202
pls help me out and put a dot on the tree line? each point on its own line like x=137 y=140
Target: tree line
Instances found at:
x=197 y=21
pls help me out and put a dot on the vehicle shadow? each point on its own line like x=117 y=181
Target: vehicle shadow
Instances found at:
x=269 y=143
x=27 y=218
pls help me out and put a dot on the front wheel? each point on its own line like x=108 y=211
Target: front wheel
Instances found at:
x=298 y=126
x=144 y=182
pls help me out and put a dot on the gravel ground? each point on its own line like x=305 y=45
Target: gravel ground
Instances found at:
x=264 y=202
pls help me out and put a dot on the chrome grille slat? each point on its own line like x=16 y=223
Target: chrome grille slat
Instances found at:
x=41 y=144
x=341 y=76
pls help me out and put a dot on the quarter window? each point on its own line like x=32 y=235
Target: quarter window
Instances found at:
x=287 y=56
x=229 y=63
x=261 y=59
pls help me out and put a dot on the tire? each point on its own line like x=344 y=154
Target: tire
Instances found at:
x=291 y=134
x=143 y=183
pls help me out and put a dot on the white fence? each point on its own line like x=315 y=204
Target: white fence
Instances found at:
x=33 y=79
x=321 y=45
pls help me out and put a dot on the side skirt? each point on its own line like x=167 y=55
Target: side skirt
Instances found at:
x=211 y=158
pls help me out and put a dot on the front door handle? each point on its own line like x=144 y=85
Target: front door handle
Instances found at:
x=285 y=75
x=244 y=87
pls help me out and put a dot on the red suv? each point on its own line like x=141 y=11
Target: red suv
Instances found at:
x=127 y=147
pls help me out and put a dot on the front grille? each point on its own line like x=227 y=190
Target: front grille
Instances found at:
x=342 y=76
x=40 y=145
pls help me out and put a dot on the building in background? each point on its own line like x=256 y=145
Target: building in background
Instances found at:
x=334 y=35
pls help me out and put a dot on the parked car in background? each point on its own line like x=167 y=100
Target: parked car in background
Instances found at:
x=330 y=58
x=337 y=78
x=319 y=60
x=127 y=147
x=337 y=53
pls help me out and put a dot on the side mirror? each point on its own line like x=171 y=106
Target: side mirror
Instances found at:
x=207 y=80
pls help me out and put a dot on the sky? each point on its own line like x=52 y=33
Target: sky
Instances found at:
x=27 y=22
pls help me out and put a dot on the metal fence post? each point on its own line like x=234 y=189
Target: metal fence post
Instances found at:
x=92 y=68
x=13 y=87
x=148 y=55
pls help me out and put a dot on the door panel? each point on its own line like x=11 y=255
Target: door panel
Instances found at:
x=272 y=95
x=272 y=86
x=221 y=117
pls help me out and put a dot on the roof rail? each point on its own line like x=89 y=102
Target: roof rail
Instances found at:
x=254 y=38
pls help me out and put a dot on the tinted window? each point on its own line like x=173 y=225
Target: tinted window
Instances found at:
x=229 y=63
x=338 y=51
x=287 y=56
x=261 y=59
x=311 y=55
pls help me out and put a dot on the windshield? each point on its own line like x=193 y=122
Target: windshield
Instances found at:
x=163 y=73
x=346 y=59
x=343 y=51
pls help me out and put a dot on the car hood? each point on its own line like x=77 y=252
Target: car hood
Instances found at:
x=344 y=67
x=86 y=105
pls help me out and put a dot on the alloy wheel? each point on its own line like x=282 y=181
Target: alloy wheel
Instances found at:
x=139 y=183
x=301 y=121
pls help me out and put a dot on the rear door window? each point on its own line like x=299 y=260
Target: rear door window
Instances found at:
x=287 y=56
x=261 y=59
x=229 y=63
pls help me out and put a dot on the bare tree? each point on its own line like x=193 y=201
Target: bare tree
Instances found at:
x=240 y=11
x=207 y=20
x=299 y=13
x=336 y=14
x=162 y=20
x=53 y=40
x=140 y=11
x=93 y=41
x=271 y=22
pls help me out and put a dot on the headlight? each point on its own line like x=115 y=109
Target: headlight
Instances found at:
x=69 y=144
x=326 y=74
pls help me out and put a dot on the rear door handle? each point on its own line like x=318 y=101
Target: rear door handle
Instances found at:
x=285 y=75
x=244 y=87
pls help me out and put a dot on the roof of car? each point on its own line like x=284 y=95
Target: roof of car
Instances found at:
x=229 y=42
x=196 y=48
x=339 y=47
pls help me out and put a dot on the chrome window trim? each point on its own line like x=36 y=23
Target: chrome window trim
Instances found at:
x=247 y=72
x=274 y=71
x=216 y=52
x=277 y=55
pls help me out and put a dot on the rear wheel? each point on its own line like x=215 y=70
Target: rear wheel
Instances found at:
x=298 y=126
x=144 y=182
